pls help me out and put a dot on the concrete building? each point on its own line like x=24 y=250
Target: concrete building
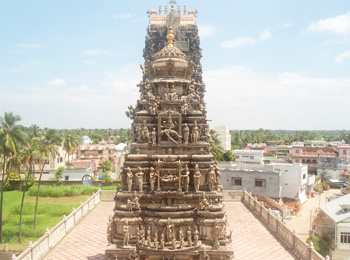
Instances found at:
x=283 y=152
x=53 y=163
x=251 y=159
x=334 y=221
x=265 y=181
x=310 y=155
x=277 y=179
x=224 y=136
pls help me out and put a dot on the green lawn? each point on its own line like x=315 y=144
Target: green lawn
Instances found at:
x=50 y=212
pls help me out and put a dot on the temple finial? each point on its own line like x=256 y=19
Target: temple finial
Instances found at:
x=170 y=37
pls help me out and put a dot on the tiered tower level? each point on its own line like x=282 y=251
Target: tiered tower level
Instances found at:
x=170 y=205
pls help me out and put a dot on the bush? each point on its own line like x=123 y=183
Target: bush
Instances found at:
x=320 y=245
x=58 y=175
x=106 y=179
x=62 y=191
x=11 y=182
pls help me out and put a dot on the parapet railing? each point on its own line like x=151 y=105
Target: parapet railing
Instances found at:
x=300 y=249
x=43 y=245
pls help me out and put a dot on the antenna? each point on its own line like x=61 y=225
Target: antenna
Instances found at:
x=172 y=2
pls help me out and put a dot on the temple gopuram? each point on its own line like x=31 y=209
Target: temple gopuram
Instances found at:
x=170 y=204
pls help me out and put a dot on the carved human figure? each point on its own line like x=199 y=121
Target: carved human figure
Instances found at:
x=168 y=130
x=189 y=237
x=173 y=243
x=126 y=234
x=134 y=255
x=142 y=235
x=195 y=132
x=215 y=232
x=129 y=178
x=154 y=136
x=186 y=133
x=149 y=237
x=204 y=255
x=203 y=203
x=139 y=178
x=152 y=178
x=110 y=229
x=196 y=236
x=170 y=228
x=218 y=176
x=144 y=135
x=186 y=178
x=211 y=178
x=162 y=242
x=181 y=238
x=173 y=95
x=196 y=178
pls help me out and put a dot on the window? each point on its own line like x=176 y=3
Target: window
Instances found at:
x=297 y=160
x=297 y=151
x=260 y=182
x=345 y=237
x=236 y=181
x=304 y=176
x=344 y=152
x=237 y=156
x=251 y=157
x=66 y=178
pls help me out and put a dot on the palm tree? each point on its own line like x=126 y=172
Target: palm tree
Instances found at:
x=70 y=142
x=216 y=149
x=10 y=137
x=48 y=150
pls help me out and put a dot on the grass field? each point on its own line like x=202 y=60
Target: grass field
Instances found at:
x=50 y=212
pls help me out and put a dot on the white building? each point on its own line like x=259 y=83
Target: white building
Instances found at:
x=249 y=159
x=295 y=180
x=224 y=136
x=274 y=180
x=337 y=226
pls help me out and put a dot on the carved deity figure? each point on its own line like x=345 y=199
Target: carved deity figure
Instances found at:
x=196 y=237
x=204 y=255
x=195 y=133
x=218 y=176
x=215 y=232
x=144 y=135
x=189 y=237
x=110 y=229
x=154 y=136
x=142 y=235
x=186 y=178
x=169 y=131
x=126 y=234
x=173 y=95
x=139 y=178
x=149 y=237
x=203 y=203
x=152 y=178
x=134 y=255
x=186 y=133
x=211 y=178
x=196 y=178
x=170 y=229
x=129 y=178
x=181 y=238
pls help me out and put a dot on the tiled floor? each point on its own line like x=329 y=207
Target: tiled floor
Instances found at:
x=251 y=240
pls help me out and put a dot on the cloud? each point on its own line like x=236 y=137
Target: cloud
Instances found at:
x=255 y=99
x=56 y=82
x=342 y=56
x=283 y=26
x=239 y=42
x=123 y=16
x=335 y=25
x=206 y=30
x=94 y=52
x=88 y=62
x=30 y=46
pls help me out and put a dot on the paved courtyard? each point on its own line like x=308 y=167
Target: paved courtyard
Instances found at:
x=251 y=240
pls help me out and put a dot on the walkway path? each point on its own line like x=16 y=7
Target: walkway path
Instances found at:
x=301 y=222
x=251 y=240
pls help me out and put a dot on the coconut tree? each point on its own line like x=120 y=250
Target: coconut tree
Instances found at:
x=47 y=150
x=70 y=142
x=216 y=149
x=11 y=135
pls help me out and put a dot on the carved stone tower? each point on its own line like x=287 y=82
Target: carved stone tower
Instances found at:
x=170 y=205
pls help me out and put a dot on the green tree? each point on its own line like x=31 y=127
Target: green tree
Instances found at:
x=70 y=142
x=48 y=150
x=215 y=148
x=58 y=175
x=106 y=166
x=227 y=156
x=10 y=137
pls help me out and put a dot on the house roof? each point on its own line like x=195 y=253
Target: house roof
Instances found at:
x=334 y=210
x=316 y=149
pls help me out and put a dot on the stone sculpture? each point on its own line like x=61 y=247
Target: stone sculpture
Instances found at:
x=196 y=178
x=195 y=133
x=129 y=178
x=126 y=234
x=186 y=133
x=139 y=178
x=211 y=178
